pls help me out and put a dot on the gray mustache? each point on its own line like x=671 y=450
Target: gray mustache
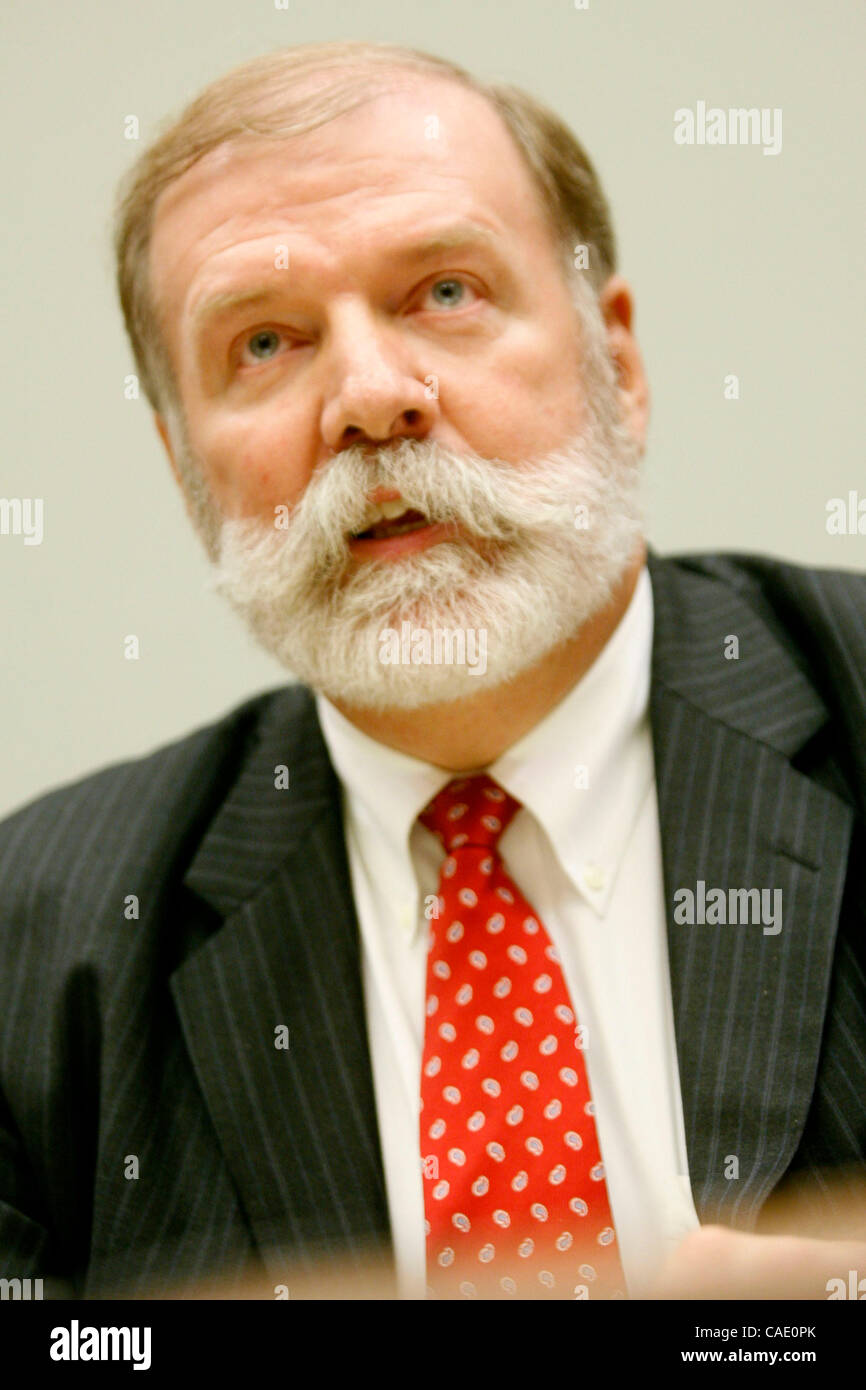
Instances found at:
x=490 y=498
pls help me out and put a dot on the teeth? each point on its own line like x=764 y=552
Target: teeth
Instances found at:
x=390 y=510
x=383 y=511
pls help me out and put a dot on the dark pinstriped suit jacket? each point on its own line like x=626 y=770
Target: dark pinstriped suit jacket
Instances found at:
x=154 y=1038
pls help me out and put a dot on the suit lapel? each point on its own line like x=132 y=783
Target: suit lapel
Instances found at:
x=734 y=812
x=297 y=1123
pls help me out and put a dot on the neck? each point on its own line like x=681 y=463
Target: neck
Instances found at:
x=465 y=735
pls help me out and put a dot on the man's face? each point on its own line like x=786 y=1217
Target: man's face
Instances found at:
x=377 y=313
x=365 y=335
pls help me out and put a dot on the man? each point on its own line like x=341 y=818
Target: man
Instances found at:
x=522 y=939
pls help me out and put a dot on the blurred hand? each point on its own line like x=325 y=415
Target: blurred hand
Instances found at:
x=715 y=1262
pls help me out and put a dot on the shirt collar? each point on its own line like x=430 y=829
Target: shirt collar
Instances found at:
x=593 y=727
x=584 y=770
x=386 y=789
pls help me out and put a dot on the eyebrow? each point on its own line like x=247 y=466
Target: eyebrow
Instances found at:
x=460 y=236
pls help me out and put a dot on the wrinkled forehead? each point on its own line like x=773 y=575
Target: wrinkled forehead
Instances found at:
x=400 y=156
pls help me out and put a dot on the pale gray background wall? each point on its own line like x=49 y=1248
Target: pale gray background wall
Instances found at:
x=741 y=263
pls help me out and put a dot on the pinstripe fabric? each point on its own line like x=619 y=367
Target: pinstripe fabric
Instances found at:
x=153 y=1038
x=736 y=812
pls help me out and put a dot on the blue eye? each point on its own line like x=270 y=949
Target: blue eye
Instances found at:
x=264 y=344
x=450 y=286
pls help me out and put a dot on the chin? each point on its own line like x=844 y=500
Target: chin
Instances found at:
x=415 y=686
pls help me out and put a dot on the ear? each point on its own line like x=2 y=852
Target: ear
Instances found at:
x=617 y=307
x=165 y=436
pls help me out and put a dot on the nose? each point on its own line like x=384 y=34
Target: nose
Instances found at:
x=377 y=390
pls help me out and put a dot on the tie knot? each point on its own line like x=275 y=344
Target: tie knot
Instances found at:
x=470 y=811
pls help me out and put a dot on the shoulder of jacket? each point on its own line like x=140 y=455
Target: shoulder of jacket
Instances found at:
x=150 y=798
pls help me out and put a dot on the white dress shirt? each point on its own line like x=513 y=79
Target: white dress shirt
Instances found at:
x=588 y=858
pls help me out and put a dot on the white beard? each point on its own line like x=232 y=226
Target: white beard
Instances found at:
x=526 y=577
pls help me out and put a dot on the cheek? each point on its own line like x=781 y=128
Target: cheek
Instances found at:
x=255 y=468
x=528 y=399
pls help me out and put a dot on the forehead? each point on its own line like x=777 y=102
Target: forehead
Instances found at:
x=340 y=194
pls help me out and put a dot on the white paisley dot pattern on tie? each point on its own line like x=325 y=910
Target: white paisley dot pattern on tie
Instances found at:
x=515 y=1197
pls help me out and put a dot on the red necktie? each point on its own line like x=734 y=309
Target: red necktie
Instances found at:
x=514 y=1191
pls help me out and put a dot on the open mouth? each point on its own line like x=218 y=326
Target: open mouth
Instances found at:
x=392 y=519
